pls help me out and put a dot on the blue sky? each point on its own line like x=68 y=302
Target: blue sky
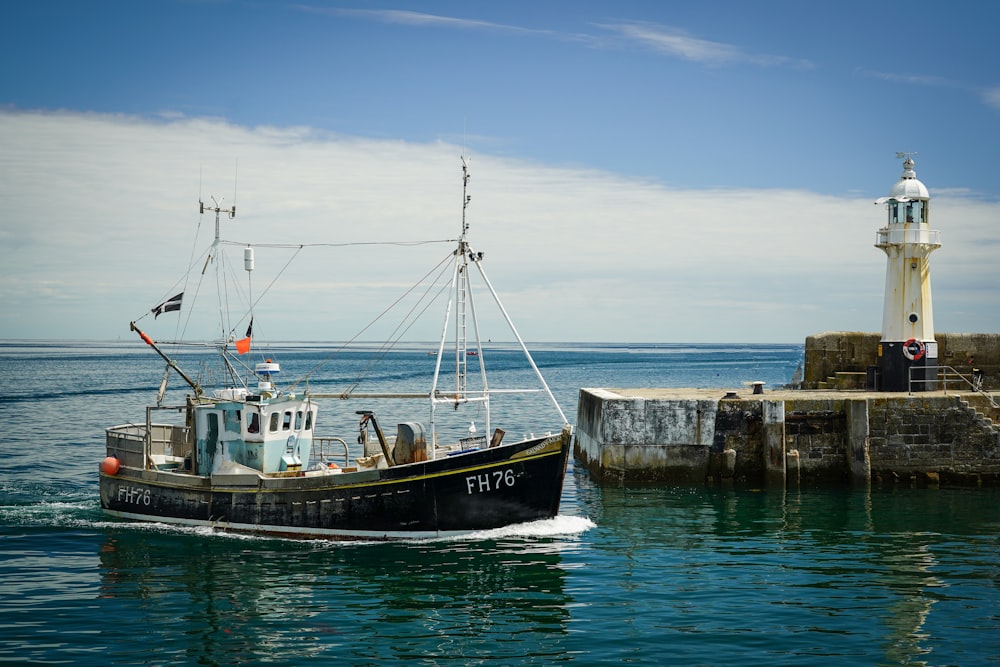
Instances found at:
x=642 y=171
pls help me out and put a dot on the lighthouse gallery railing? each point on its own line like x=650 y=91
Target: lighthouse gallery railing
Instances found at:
x=886 y=236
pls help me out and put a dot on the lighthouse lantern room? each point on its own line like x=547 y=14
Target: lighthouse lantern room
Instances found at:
x=907 y=352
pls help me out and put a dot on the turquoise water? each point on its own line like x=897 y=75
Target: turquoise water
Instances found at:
x=648 y=576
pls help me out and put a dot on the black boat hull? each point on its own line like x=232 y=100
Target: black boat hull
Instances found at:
x=451 y=495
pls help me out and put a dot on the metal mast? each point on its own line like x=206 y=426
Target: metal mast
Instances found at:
x=213 y=255
x=465 y=258
x=462 y=292
x=464 y=308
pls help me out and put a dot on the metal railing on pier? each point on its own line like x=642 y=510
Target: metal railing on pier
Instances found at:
x=946 y=374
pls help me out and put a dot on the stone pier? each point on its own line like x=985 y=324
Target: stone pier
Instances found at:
x=786 y=437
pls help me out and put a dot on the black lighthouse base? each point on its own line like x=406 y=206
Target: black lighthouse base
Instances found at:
x=907 y=366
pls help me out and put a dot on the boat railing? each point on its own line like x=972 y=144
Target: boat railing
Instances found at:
x=166 y=441
x=127 y=443
x=324 y=451
x=140 y=445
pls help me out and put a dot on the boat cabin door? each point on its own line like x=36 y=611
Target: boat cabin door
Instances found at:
x=216 y=428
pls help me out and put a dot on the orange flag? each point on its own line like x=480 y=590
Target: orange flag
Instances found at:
x=243 y=344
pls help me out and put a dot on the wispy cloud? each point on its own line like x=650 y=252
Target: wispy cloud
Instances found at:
x=407 y=17
x=913 y=79
x=678 y=43
x=661 y=39
x=989 y=96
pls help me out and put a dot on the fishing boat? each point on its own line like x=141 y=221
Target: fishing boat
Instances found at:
x=249 y=456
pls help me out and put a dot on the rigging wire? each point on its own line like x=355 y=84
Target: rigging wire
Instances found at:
x=224 y=284
x=444 y=262
x=206 y=257
x=253 y=302
x=409 y=320
x=337 y=245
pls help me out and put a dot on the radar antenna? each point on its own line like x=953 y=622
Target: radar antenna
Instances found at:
x=231 y=212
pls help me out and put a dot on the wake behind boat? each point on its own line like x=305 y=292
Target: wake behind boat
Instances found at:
x=248 y=457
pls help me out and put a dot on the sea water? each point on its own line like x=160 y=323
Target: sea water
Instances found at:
x=624 y=575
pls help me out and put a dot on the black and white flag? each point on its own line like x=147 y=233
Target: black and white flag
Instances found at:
x=173 y=303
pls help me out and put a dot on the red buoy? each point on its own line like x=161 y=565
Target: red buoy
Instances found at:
x=110 y=466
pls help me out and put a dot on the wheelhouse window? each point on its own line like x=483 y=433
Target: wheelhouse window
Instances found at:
x=286 y=423
x=309 y=420
x=273 y=426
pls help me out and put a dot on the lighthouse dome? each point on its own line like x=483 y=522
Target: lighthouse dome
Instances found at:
x=908 y=187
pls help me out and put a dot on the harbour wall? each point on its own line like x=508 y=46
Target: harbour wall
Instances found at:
x=841 y=359
x=787 y=438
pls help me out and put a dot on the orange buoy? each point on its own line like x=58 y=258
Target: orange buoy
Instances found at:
x=110 y=466
x=333 y=465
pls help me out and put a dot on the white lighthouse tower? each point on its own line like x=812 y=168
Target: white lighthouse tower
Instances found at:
x=907 y=316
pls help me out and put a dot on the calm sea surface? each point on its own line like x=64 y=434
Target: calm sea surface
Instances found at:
x=648 y=576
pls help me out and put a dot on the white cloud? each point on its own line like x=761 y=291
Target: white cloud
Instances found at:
x=675 y=42
x=422 y=19
x=661 y=39
x=992 y=97
x=914 y=79
x=100 y=214
x=989 y=96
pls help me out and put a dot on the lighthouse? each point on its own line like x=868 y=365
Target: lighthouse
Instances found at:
x=907 y=352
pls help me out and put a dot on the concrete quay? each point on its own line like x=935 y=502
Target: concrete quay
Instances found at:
x=787 y=438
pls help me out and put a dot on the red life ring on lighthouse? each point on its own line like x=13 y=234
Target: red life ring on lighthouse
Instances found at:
x=913 y=349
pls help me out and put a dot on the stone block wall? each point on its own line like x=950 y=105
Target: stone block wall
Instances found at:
x=633 y=439
x=909 y=438
x=833 y=352
x=737 y=448
x=786 y=438
x=817 y=429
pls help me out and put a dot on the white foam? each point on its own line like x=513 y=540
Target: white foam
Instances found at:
x=46 y=513
x=558 y=526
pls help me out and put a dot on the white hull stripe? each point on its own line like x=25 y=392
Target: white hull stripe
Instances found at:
x=265 y=529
